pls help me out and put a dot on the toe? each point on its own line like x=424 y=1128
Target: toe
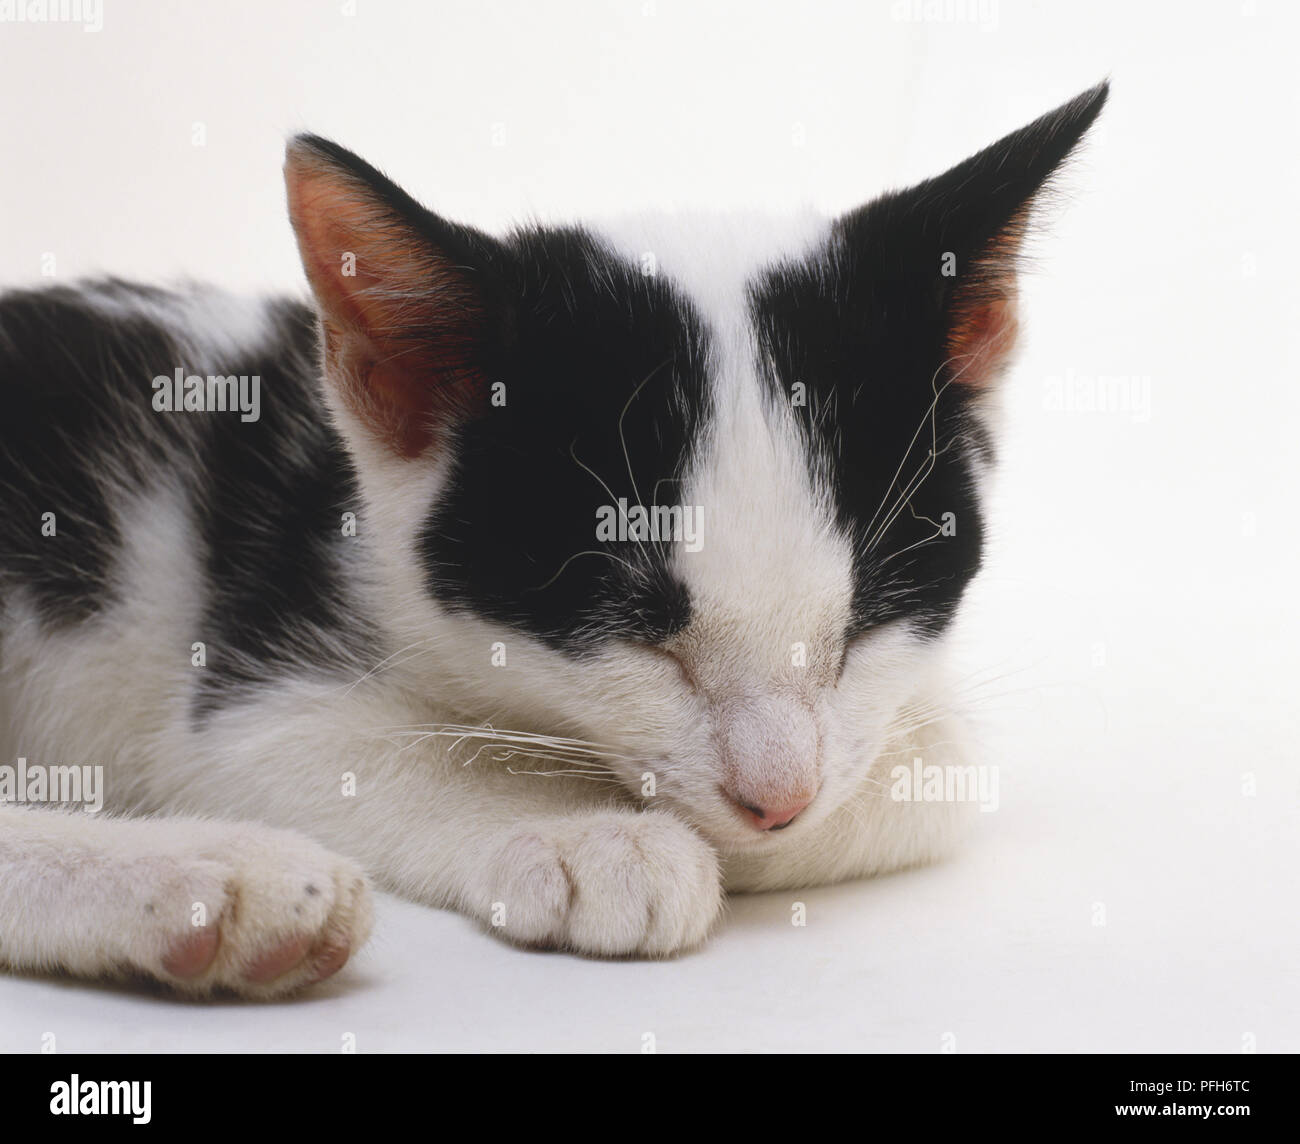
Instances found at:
x=277 y=961
x=331 y=959
x=192 y=954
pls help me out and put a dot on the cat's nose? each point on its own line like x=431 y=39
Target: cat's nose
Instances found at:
x=776 y=817
x=769 y=747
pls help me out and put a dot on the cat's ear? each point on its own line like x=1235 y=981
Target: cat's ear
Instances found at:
x=401 y=295
x=955 y=241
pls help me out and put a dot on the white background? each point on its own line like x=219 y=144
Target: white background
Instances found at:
x=1133 y=642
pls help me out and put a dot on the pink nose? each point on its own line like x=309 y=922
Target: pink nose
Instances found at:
x=770 y=817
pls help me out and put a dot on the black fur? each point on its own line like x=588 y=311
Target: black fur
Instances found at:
x=76 y=367
x=607 y=390
x=269 y=508
x=606 y=375
x=864 y=325
x=59 y=358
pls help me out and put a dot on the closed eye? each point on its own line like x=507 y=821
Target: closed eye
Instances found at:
x=854 y=639
x=682 y=670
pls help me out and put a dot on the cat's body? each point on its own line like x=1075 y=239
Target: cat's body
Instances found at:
x=388 y=621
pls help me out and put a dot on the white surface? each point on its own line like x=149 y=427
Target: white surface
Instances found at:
x=1134 y=638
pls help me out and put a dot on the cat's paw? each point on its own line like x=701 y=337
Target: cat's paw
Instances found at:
x=612 y=884
x=250 y=910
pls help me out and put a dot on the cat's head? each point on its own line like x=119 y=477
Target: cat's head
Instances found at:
x=705 y=494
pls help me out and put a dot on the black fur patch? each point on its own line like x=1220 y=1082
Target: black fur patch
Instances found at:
x=270 y=511
x=866 y=350
x=267 y=496
x=606 y=392
x=66 y=429
x=864 y=325
x=605 y=374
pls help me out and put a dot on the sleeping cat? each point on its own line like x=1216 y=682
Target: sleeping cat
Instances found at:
x=567 y=579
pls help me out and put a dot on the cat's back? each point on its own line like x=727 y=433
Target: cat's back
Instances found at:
x=87 y=426
x=82 y=364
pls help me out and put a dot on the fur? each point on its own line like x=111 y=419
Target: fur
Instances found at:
x=373 y=635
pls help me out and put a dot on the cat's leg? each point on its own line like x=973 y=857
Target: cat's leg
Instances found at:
x=196 y=904
x=541 y=857
x=887 y=824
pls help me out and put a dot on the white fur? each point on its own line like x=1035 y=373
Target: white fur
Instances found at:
x=548 y=845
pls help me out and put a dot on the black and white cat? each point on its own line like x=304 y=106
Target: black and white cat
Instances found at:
x=568 y=579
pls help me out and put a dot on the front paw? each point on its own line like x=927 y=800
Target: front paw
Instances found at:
x=278 y=913
x=612 y=884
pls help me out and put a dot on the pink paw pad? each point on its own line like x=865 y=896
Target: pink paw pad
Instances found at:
x=192 y=954
x=333 y=957
x=277 y=961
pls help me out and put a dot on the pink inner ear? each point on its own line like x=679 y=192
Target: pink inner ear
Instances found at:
x=981 y=340
x=401 y=332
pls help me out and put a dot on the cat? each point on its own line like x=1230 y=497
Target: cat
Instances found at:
x=569 y=579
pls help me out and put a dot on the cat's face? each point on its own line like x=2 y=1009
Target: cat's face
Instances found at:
x=704 y=494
